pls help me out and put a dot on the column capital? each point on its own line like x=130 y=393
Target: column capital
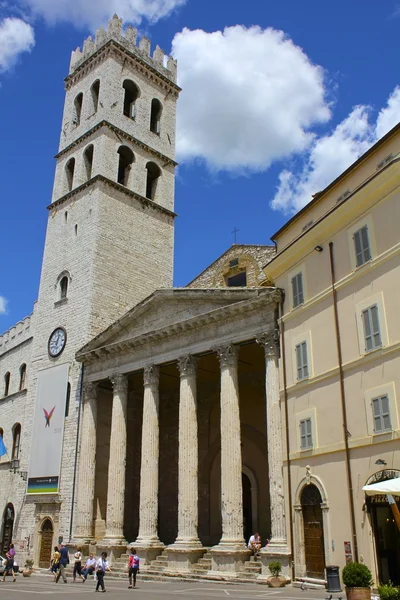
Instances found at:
x=89 y=389
x=151 y=375
x=187 y=365
x=270 y=341
x=227 y=355
x=119 y=382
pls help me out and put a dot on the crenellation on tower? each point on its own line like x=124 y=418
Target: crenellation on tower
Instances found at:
x=128 y=40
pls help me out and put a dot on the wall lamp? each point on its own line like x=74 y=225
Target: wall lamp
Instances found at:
x=380 y=461
x=318 y=248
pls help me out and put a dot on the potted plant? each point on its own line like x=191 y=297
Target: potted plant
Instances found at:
x=389 y=592
x=28 y=570
x=276 y=579
x=358 y=581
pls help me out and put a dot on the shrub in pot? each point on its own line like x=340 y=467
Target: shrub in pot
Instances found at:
x=28 y=570
x=389 y=592
x=358 y=580
x=276 y=580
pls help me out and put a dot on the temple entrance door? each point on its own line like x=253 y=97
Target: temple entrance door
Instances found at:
x=8 y=525
x=247 y=508
x=387 y=541
x=46 y=543
x=313 y=531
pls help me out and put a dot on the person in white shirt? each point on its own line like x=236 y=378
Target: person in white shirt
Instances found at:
x=90 y=567
x=78 y=565
x=101 y=568
x=254 y=543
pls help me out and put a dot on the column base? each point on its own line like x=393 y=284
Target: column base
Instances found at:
x=276 y=550
x=183 y=554
x=147 y=550
x=114 y=548
x=228 y=558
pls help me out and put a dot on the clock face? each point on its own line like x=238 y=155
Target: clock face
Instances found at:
x=57 y=341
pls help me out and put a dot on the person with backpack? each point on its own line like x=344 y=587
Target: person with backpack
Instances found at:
x=133 y=568
x=9 y=566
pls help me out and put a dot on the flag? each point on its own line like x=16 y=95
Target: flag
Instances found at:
x=3 y=449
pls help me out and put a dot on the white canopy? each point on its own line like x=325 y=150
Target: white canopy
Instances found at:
x=390 y=486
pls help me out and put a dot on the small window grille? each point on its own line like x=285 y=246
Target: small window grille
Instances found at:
x=343 y=196
x=384 y=162
x=233 y=263
x=307 y=225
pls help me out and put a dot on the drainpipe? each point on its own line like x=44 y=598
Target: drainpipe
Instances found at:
x=289 y=476
x=343 y=403
x=76 y=452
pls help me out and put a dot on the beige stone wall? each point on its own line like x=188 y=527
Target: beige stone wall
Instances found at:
x=365 y=373
x=252 y=259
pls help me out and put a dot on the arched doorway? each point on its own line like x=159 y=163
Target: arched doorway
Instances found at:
x=313 y=531
x=8 y=525
x=46 y=543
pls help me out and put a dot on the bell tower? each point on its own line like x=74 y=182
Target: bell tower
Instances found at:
x=110 y=233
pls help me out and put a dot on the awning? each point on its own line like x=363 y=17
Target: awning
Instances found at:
x=390 y=486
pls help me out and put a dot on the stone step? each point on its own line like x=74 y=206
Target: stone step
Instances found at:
x=256 y=570
x=253 y=563
x=204 y=561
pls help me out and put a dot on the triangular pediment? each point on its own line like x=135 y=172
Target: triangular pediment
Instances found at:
x=166 y=308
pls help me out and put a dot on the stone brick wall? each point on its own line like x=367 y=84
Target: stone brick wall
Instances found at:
x=250 y=258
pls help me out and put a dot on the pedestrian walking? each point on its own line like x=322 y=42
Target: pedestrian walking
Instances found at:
x=55 y=562
x=90 y=567
x=77 y=565
x=9 y=566
x=133 y=568
x=64 y=562
x=101 y=568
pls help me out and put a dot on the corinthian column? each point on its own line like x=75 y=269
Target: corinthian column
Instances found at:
x=87 y=467
x=117 y=463
x=278 y=543
x=148 y=508
x=231 y=455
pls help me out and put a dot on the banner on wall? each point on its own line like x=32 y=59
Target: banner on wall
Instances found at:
x=48 y=431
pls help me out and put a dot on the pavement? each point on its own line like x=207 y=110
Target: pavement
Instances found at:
x=42 y=585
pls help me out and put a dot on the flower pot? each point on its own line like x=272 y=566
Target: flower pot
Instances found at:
x=27 y=572
x=358 y=593
x=276 y=582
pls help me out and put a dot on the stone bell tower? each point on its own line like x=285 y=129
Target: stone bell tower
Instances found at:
x=110 y=233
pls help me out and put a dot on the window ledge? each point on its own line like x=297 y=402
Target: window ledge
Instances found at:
x=61 y=302
x=368 y=352
x=13 y=395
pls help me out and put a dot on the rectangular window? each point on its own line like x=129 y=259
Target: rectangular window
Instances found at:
x=306 y=441
x=372 y=332
x=362 y=247
x=302 y=363
x=381 y=414
x=298 y=290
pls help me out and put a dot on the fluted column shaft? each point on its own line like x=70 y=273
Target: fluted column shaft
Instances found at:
x=87 y=465
x=270 y=341
x=117 y=461
x=148 y=510
x=188 y=454
x=231 y=457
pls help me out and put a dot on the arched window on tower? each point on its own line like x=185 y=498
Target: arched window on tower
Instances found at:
x=67 y=399
x=153 y=173
x=16 y=441
x=64 y=287
x=88 y=160
x=78 y=109
x=126 y=158
x=1 y=432
x=22 y=377
x=95 y=92
x=155 y=116
x=69 y=173
x=7 y=378
x=132 y=93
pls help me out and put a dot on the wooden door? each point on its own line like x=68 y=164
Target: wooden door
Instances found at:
x=46 y=544
x=313 y=532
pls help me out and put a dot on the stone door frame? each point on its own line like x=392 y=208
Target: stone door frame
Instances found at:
x=299 y=551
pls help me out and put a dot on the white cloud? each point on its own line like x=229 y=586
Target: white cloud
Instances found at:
x=331 y=154
x=249 y=97
x=16 y=37
x=3 y=306
x=93 y=13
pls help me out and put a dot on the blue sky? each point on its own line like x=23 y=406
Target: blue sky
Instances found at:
x=278 y=99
